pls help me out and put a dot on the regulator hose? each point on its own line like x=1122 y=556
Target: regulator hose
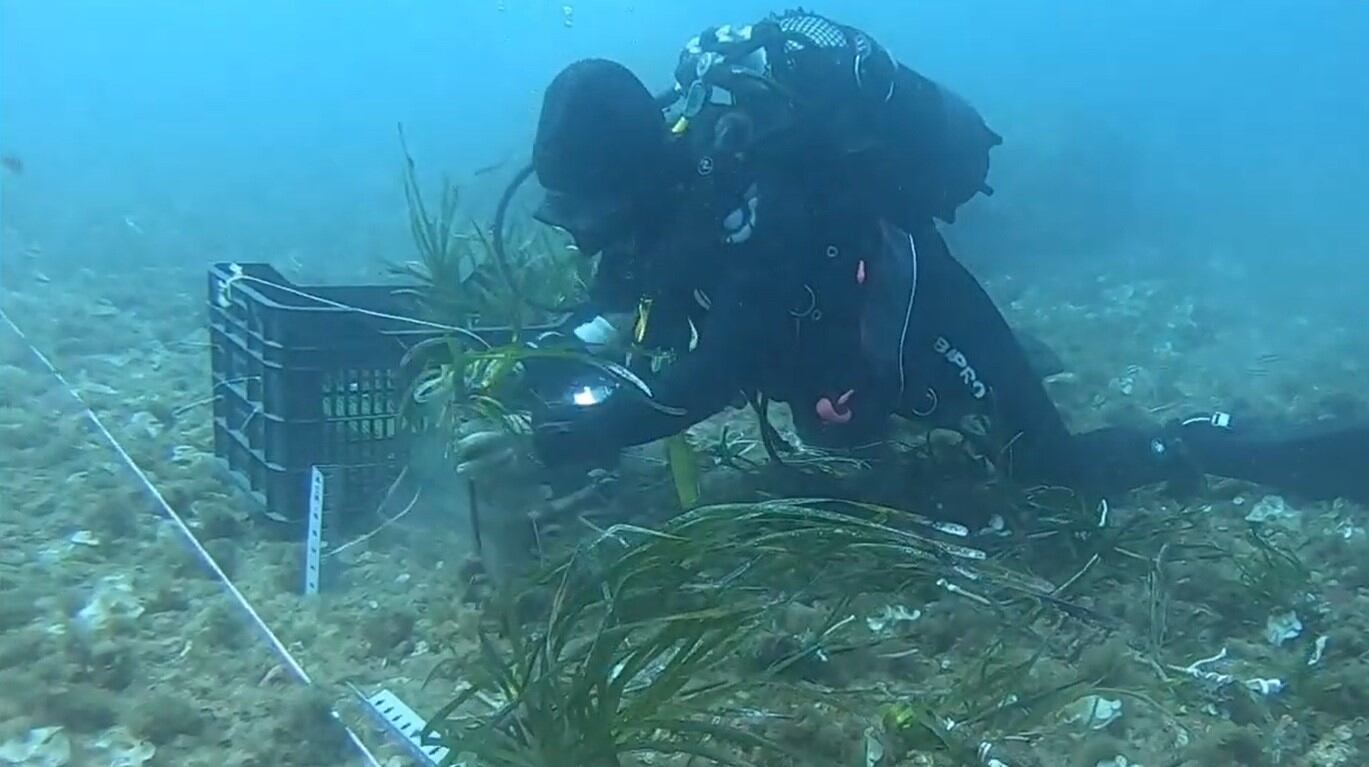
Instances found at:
x=501 y=255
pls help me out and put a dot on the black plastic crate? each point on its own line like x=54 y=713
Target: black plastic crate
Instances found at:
x=301 y=383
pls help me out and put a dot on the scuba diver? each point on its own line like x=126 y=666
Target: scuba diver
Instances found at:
x=771 y=220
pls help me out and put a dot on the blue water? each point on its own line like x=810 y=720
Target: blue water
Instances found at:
x=265 y=130
x=1220 y=146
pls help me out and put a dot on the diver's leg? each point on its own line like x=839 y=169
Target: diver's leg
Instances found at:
x=1315 y=461
x=968 y=355
x=962 y=351
x=961 y=358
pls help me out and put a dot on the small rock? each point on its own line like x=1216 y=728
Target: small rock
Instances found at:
x=945 y=438
x=1094 y=711
x=146 y=423
x=122 y=749
x=114 y=600
x=1337 y=749
x=46 y=746
x=1281 y=627
x=798 y=619
x=13 y=555
x=1272 y=509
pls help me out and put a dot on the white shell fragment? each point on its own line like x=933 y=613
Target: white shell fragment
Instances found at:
x=1118 y=761
x=1282 y=627
x=874 y=748
x=1094 y=711
x=84 y=538
x=891 y=616
x=1318 y=649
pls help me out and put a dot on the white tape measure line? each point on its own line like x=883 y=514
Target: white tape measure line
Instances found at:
x=402 y=721
x=291 y=664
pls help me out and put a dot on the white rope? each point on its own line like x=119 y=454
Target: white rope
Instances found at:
x=289 y=661
x=237 y=275
x=368 y=536
x=226 y=288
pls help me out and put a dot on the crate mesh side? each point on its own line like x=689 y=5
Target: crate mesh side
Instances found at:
x=304 y=385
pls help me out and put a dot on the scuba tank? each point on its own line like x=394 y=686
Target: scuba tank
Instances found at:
x=814 y=90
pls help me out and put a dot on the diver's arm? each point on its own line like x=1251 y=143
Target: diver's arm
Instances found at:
x=702 y=382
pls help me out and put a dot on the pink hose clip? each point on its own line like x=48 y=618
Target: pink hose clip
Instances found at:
x=829 y=412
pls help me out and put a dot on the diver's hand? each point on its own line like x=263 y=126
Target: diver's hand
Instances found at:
x=489 y=453
x=506 y=472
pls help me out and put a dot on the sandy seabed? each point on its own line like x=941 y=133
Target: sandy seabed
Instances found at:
x=118 y=647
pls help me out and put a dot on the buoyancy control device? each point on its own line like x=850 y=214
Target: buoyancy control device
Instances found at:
x=801 y=88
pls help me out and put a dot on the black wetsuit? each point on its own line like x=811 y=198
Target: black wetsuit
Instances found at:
x=752 y=308
x=843 y=300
